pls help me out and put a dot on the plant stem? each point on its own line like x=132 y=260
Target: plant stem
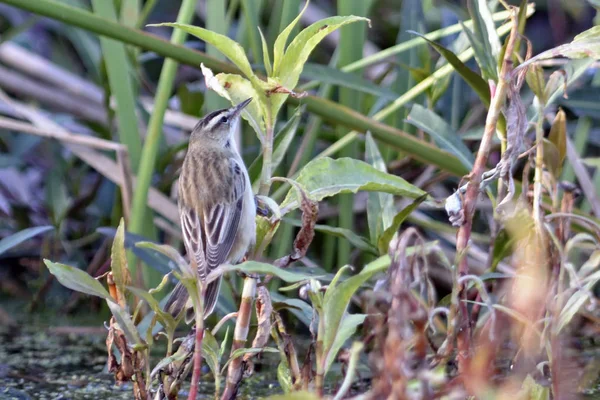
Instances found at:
x=321 y=358
x=197 y=345
x=155 y=125
x=327 y=109
x=537 y=180
x=240 y=335
x=470 y=198
x=265 y=177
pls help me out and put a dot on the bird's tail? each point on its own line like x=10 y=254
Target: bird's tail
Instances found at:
x=178 y=300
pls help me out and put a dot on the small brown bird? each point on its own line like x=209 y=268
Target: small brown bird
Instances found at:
x=216 y=204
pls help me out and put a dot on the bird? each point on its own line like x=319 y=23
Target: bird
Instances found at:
x=216 y=205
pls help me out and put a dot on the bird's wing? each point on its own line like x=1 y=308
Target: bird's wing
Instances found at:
x=210 y=234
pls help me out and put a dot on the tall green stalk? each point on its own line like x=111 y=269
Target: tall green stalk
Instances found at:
x=121 y=85
x=325 y=108
x=352 y=39
x=216 y=22
x=155 y=125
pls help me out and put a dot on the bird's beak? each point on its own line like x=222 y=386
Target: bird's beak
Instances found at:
x=238 y=109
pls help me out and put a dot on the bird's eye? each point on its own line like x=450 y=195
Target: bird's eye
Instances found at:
x=224 y=120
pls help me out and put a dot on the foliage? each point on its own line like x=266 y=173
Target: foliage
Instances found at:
x=469 y=99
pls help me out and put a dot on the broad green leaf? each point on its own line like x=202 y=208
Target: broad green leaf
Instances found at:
x=573 y=70
x=154 y=259
x=325 y=177
x=477 y=83
x=551 y=157
x=585 y=45
x=166 y=318
x=178 y=263
x=211 y=353
x=576 y=301
x=384 y=240
x=125 y=323
x=236 y=89
x=593 y=162
x=230 y=48
x=118 y=262
x=558 y=136
x=284 y=376
x=265 y=230
x=380 y=206
x=485 y=41
x=337 y=298
x=536 y=81
x=266 y=57
x=76 y=279
x=281 y=41
x=255 y=267
x=442 y=133
x=57 y=196
x=301 y=309
x=16 y=239
x=347 y=329
x=299 y=50
x=253 y=350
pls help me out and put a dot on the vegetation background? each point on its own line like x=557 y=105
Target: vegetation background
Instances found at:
x=94 y=125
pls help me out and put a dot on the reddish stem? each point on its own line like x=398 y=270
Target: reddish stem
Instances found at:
x=470 y=197
x=197 y=359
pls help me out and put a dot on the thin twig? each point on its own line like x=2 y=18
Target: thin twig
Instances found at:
x=472 y=192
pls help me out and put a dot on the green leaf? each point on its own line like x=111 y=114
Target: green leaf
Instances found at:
x=384 y=240
x=230 y=48
x=380 y=206
x=57 y=196
x=477 y=83
x=576 y=301
x=284 y=376
x=281 y=41
x=585 y=45
x=573 y=70
x=16 y=239
x=76 y=279
x=265 y=231
x=299 y=50
x=337 y=298
x=125 y=323
x=325 y=74
x=442 y=133
x=485 y=40
x=253 y=350
x=558 y=136
x=255 y=267
x=166 y=319
x=356 y=240
x=325 y=177
x=178 y=263
x=551 y=157
x=118 y=263
x=536 y=82
x=211 y=353
x=265 y=51
x=347 y=329
x=236 y=89
x=283 y=139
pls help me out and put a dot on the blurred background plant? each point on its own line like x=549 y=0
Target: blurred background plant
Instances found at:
x=94 y=124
